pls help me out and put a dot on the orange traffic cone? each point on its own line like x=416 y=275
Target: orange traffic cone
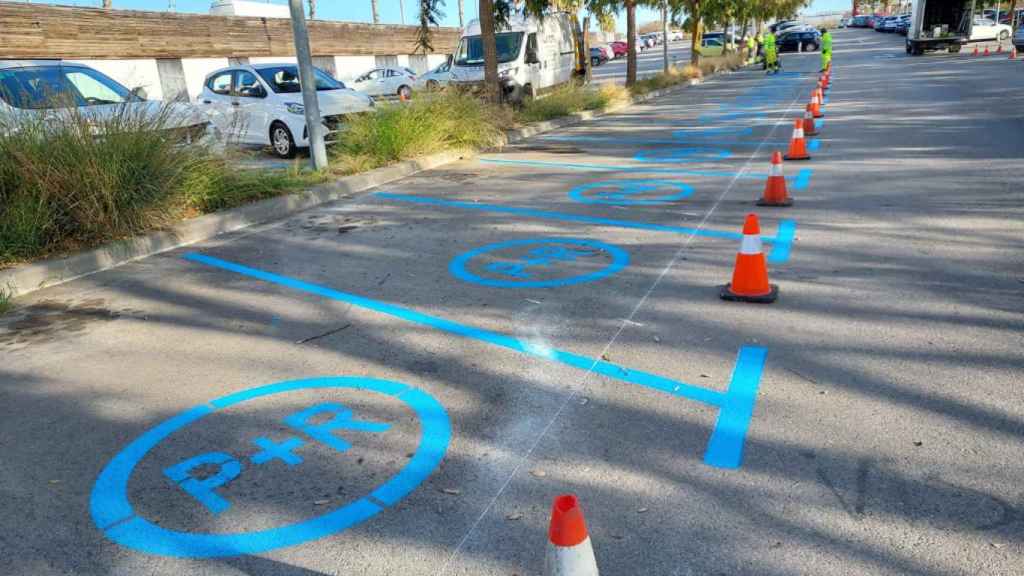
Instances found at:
x=821 y=96
x=810 y=128
x=999 y=49
x=775 y=187
x=816 y=106
x=975 y=53
x=986 y=51
x=1013 y=53
x=750 y=276
x=797 y=145
x=569 y=550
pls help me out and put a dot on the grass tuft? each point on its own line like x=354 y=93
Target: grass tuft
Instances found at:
x=572 y=99
x=71 y=179
x=668 y=79
x=430 y=123
x=6 y=295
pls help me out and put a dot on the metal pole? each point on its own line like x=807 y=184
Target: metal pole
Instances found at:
x=664 y=34
x=307 y=80
x=401 y=10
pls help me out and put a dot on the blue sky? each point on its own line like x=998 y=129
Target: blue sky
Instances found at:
x=359 y=10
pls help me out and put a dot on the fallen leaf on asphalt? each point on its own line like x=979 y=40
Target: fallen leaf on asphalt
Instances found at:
x=513 y=516
x=538 y=473
x=452 y=491
x=641 y=510
x=320 y=502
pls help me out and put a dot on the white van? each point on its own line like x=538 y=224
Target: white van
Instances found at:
x=534 y=55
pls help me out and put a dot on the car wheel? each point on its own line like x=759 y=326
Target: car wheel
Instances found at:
x=811 y=47
x=404 y=92
x=433 y=85
x=1003 y=35
x=594 y=62
x=281 y=140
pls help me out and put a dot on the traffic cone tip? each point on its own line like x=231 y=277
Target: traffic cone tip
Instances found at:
x=567 y=525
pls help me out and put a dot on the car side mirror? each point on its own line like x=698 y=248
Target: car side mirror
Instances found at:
x=139 y=93
x=531 y=58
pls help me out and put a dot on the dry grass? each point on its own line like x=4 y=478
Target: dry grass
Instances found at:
x=674 y=76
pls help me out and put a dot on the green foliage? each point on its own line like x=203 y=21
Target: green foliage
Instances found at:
x=72 y=179
x=5 y=300
x=429 y=123
x=571 y=99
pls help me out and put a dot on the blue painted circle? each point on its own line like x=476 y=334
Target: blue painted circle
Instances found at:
x=689 y=154
x=459 y=267
x=113 y=514
x=627 y=190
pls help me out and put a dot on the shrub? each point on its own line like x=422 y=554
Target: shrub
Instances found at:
x=571 y=99
x=663 y=80
x=74 y=178
x=5 y=300
x=429 y=123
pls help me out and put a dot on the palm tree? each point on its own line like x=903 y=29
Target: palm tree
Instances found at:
x=376 y=13
x=312 y=9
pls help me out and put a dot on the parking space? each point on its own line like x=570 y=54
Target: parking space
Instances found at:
x=400 y=383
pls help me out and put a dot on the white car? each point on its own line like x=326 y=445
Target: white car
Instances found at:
x=386 y=82
x=262 y=104
x=987 y=29
x=436 y=78
x=34 y=88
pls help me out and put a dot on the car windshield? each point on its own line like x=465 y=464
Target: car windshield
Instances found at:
x=59 y=87
x=471 y=49
x=285 y=79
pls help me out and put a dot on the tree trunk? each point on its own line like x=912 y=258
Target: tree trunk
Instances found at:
x=588 y=75
x=630 y=42
x=312 y=9
x=1013 y=16
x=461 y=6
x=376 y=13
x=664 y=33
x=487 y=37
x=695 y=32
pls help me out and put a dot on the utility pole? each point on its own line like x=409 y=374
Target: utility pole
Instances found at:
x=401 y=10
x=307 y=80
x=664 y=33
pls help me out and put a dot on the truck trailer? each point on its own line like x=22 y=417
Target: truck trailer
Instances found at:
x=939 y=25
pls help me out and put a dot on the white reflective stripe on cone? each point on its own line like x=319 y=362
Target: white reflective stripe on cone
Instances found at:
x=808 y=115
x=775 y=170
x=751 y=244
x=575 y=560
x=798 y=133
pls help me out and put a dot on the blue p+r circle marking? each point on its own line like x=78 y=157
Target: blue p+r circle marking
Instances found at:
x=113 y=513
x=548 y=251
x=625 y=192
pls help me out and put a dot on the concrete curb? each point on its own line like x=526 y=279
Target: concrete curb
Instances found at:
x=21 y=280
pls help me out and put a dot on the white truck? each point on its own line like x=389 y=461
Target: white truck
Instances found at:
x=939 y=25
x=534 y=56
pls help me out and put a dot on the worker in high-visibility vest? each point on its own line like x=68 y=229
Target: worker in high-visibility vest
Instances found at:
x=751 y=50
x=771 y=54
x=826 y=49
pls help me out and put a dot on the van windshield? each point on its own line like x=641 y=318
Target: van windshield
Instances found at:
x=471 y=49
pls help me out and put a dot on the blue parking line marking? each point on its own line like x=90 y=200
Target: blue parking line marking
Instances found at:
x=736 y=404
x=725 y=448
x=812 y=142
x=775 y=256
x=802 y=178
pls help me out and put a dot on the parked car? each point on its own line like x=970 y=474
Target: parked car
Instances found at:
x=986 y=29
x=386 y=82
x=859 y=22
x=799 y=41
x=711 y=47
x=262 y=104
x=436 y=78
x=39 y=87
x=844 y=22
x=619 y=48
x=782 y=25
x=903 y=25
x=1018 y=39
x=609 y=53
x=676 y=36
x=886 y=24
x=726 y=39
x=597 y=57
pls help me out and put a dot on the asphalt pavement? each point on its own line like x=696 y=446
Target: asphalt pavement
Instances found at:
x=402 y=382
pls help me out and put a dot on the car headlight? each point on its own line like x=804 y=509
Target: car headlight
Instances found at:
x=508 y=72
x=295 y=108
